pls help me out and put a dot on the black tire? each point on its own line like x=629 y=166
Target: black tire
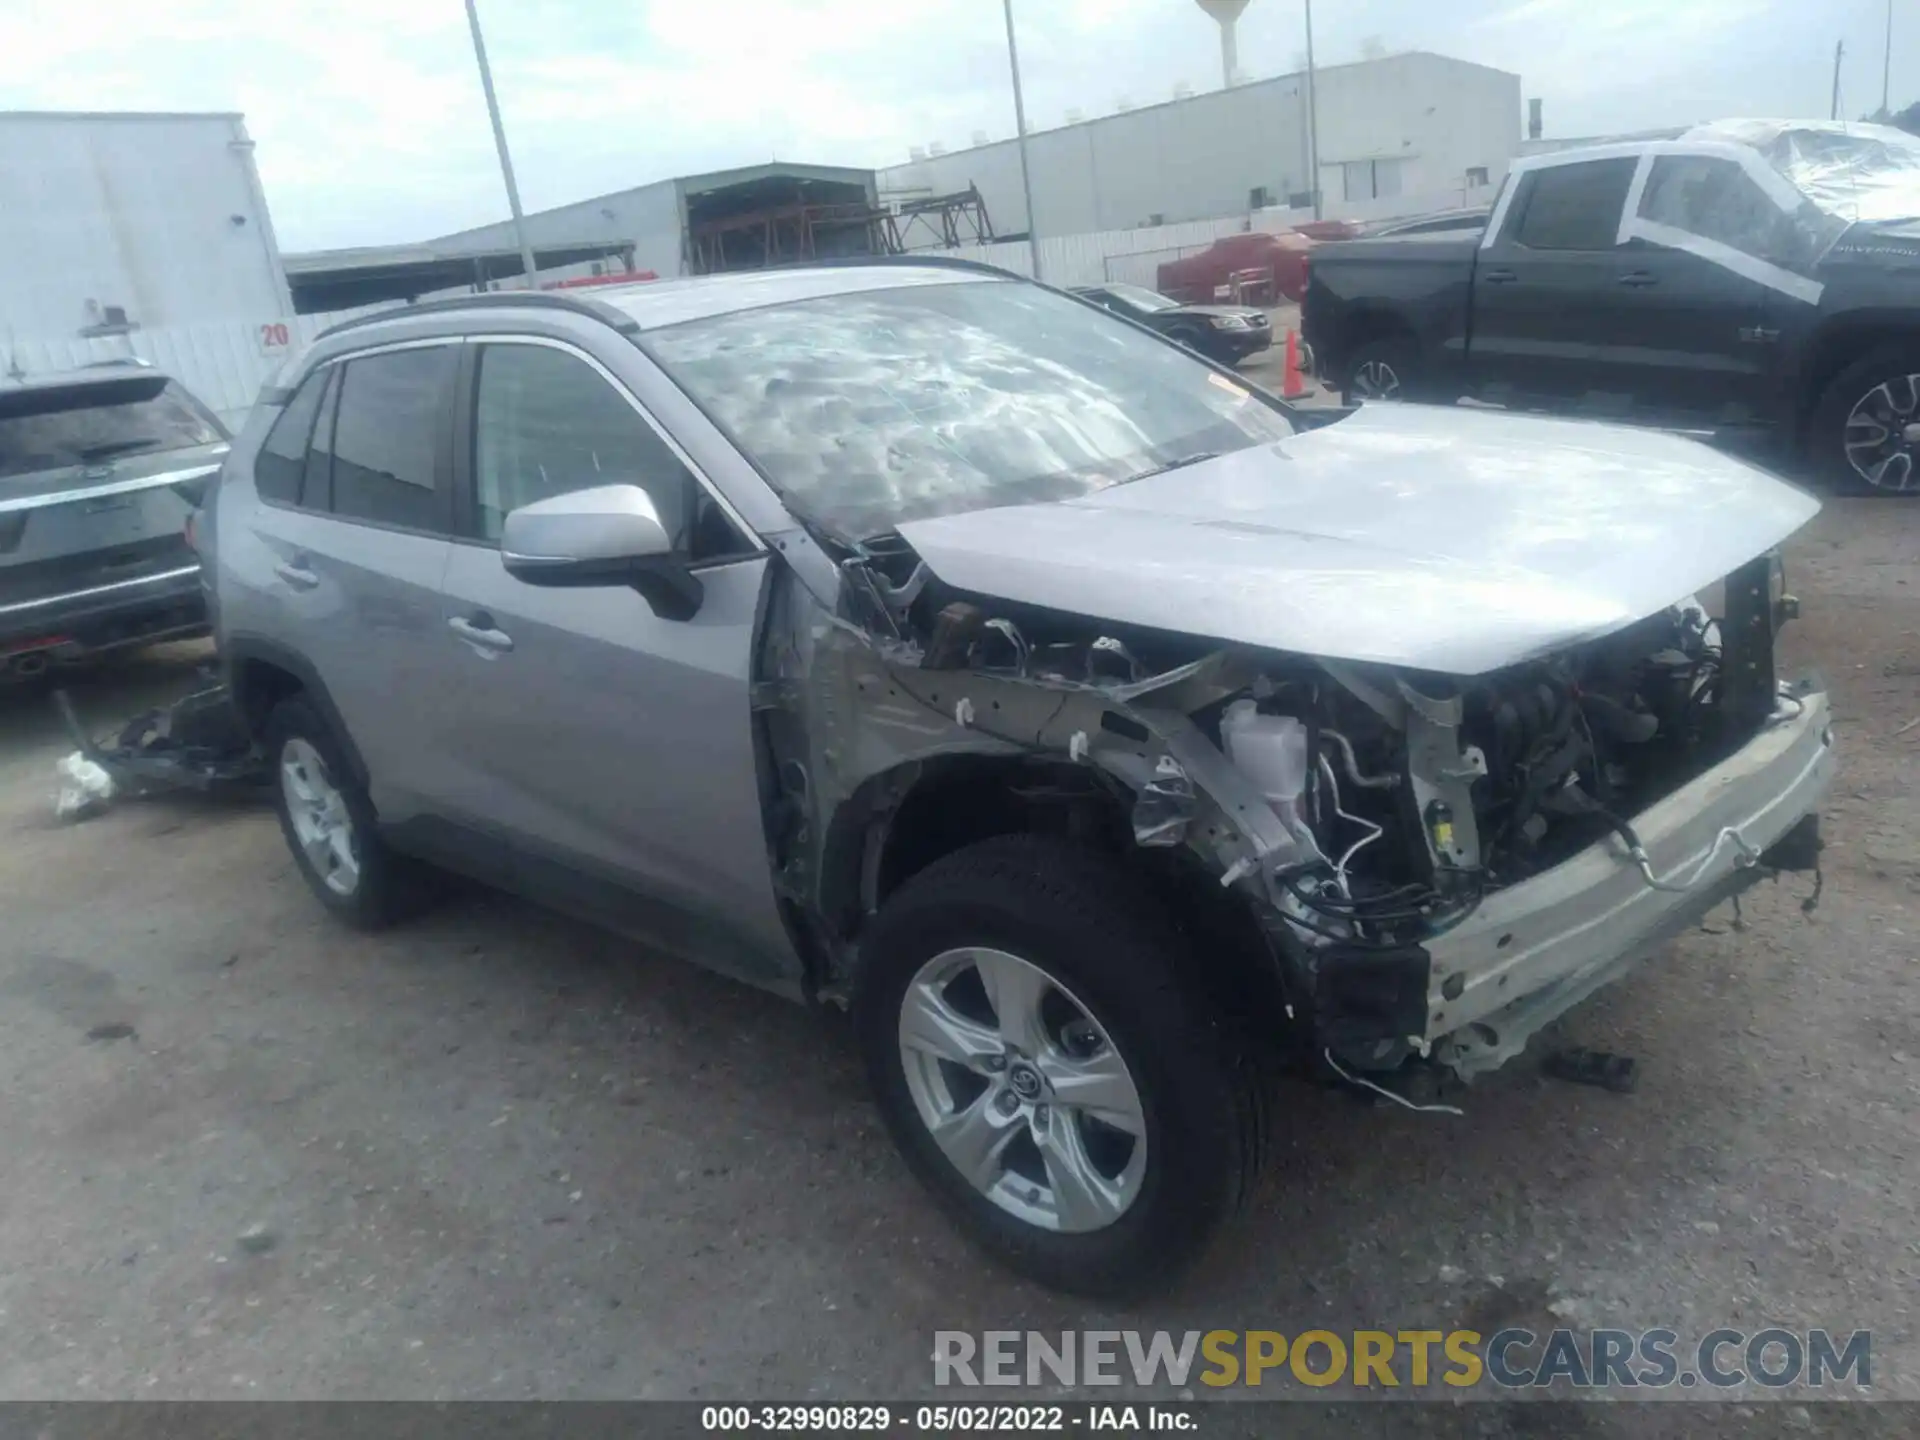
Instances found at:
x=1826 y=428
x=1397 y=358
x=1092 y=929
x=1192 y=339
x=389 y=886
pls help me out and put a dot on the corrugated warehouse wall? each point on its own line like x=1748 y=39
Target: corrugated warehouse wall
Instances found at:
x=157 y=216
x=1408 y=127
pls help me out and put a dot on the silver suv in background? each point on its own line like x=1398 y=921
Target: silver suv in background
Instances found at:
x=99 y=471
x=923 y=640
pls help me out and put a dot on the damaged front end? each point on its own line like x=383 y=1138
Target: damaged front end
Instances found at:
x=1432 y=865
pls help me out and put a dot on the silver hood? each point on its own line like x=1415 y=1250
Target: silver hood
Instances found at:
x=1421 y=536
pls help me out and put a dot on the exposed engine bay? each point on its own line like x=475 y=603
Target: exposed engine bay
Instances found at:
x=1366 y=812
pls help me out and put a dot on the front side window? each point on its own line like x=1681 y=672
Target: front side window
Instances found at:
x=90 y=422
x=872 y=409
x=1717 y=199
x=1577 y=207
x=385 y=436
x=547 y=423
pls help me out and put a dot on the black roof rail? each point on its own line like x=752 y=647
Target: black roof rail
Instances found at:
x=495 y=300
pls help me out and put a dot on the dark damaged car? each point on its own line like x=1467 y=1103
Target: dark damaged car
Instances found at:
x=1227 y=333
x=99 y=471
x=914 y=639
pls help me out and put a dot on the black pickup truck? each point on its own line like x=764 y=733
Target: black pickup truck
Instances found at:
x=1758 y=281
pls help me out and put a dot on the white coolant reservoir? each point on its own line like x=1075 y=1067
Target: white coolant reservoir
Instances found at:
x=1270 y=750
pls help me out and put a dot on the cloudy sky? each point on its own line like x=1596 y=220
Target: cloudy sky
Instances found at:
x=371 y=128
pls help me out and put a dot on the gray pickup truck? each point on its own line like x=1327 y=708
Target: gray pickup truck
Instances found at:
x=1758 y=281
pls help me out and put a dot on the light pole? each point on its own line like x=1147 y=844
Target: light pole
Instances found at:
x=1020 y=123
x=1886 y=68
x=1313 y=121
x=500 y=143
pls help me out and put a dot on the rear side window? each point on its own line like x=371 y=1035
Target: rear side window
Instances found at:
x=1577 y=207
x=91 y=422
x=283 y=455
x=386 y=436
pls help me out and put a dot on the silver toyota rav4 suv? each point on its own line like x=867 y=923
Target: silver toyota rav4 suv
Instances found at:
x=919 y=639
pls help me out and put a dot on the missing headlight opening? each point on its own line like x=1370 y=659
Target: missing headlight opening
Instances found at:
x=1369 y=821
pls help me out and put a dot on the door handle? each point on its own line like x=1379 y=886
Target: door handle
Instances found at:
x=1498 y=277
x=478 y=631
x=295 y=573
x=1639 y=278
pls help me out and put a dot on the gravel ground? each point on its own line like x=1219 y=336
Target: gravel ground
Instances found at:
x=247 y=1152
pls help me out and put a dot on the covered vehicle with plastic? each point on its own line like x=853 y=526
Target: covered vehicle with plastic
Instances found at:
x=1758 y=280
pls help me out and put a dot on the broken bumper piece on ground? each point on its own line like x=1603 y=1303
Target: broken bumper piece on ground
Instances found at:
x=197 y=743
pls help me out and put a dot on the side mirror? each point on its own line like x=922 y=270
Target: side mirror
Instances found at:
x=609 y=535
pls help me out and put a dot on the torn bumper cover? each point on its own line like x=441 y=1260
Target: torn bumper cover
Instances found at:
x=1533 y=951
x=199 y=742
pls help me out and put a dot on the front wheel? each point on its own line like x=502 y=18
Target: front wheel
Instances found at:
x=1381 y=370
x=1045 y=1060
x=1864 y=438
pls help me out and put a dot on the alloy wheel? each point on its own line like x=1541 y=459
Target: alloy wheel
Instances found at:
x=321 y=821
x=1882 y=435
x=1022 y=1090
x=1375 y=380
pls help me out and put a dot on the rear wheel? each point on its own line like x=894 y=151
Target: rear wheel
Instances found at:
x=1381 y=370
x=1864 y=438
x=329 y=822
x=1049 y=1067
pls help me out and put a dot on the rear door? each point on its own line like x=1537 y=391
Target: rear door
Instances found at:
x=358 y=538
x=610 y=748
x=1542 y=283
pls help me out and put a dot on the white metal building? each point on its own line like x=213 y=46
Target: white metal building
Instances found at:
x=114 y=223
x=1398 y=135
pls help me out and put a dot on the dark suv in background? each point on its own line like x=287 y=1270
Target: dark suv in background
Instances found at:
x=99 y=471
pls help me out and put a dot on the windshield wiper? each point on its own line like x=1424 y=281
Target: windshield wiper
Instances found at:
x=1180 y=464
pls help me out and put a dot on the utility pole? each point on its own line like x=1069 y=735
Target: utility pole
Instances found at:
x=1886 y=67
x=500 y=144
x=1020 y=124
x=1839 y=48
x=1313 y=121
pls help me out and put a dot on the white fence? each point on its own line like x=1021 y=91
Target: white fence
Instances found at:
x=1134 y=256
x=226 y=363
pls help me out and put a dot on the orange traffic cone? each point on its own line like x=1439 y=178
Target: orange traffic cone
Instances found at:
x=1292 y=384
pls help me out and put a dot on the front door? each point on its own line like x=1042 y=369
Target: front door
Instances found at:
x=609 y=749
x=1692 y=333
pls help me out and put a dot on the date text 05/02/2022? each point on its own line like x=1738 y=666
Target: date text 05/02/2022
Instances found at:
x=986 y=1419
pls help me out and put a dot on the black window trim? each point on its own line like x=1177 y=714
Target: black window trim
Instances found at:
x=465 y=416
x=442 y=449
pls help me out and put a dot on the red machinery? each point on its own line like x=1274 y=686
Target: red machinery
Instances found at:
x=1200 y=279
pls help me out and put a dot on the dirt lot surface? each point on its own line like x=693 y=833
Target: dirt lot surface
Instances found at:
x=246 y=1152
